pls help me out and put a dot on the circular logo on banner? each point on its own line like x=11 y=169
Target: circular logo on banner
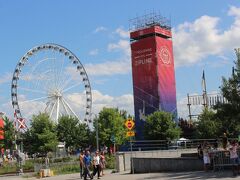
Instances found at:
x=165 y=55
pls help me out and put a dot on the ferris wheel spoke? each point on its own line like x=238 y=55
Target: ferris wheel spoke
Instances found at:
x=31 y=90
x=57 y=115
x=69 y=88
x=55 y=75
x=60 y=74
x=70 y=108
x=36 y=99
x=66 y=83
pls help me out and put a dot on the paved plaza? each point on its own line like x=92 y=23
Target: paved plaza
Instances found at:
x=223 y=175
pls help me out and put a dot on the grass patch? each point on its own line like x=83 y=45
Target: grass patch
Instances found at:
x=8 y=168
x=66 y=169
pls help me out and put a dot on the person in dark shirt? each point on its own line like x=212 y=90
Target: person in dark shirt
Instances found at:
x=200 y=151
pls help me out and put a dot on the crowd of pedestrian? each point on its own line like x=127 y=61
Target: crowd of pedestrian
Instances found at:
x=206 y=150
x=96 y=163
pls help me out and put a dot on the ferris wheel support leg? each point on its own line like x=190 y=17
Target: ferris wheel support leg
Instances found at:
x=64 y=106
x=53 y=106
x=57 y=109
x=70 y=108
x=45 y=109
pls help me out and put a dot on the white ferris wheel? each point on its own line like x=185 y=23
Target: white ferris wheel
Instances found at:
x=50 y=78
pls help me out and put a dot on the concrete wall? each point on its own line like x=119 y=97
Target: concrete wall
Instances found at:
x=147 y=165
x=123 y=158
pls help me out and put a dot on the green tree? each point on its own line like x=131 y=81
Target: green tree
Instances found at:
x=111 y=123
x=229 y=113
x=42 y=135
x=73 y=133
x=8 y=133
x=160 y=126
x=207 y=126
x=188 y=128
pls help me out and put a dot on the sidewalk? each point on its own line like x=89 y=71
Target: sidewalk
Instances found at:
x=224 y=175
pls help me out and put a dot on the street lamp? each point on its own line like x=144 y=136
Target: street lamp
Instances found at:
x=97 y=139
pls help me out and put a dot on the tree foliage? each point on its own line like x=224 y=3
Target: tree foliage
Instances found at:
x=208 y=125
x=42 y=136
x=111 y=123
x=8 y=133
x=229 y=113
x=227 y=116
x=160 y=126
x=73 y=133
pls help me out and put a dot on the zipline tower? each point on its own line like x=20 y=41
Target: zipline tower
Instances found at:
x=154 y=86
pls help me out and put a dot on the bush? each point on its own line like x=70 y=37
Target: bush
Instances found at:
x=110 y=162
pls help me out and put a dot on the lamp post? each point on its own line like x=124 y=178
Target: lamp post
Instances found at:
x=97 y=139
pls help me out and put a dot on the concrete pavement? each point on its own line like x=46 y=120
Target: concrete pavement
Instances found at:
x=223 y=175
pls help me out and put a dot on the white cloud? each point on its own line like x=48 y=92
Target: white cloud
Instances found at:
x=234 y=11
x=100 y=100
x=194 y=41
x=109 y=68
x=93 y=52
x=122 y=45
x=6 y=78
x=122 y=33
x=99 y=29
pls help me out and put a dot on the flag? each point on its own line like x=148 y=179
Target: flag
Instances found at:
x=203 y=82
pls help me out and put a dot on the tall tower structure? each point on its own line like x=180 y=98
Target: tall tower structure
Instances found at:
x=154 y=86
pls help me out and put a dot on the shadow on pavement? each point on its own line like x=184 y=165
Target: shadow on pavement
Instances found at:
x=194 y=175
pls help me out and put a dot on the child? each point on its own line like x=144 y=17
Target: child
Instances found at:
x=206 y=158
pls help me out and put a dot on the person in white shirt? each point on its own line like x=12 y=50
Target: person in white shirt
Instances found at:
x=234 y=157
x=96 y=164
x=206 y=158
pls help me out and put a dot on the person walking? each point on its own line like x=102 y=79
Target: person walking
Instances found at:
x=81 y=157
x=96 y=165
x=87 y=163
x=102 y=163
x=234 y=157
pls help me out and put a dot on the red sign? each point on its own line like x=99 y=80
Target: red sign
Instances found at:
x=1 y=126
x=129 y=124
x=21 y=123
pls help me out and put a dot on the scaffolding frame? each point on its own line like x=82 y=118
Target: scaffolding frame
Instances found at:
x=148 y=20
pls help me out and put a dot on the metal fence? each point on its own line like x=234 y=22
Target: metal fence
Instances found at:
x=221 y=159
x=148 y=145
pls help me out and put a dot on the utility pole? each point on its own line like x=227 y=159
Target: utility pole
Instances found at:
x=97 y=138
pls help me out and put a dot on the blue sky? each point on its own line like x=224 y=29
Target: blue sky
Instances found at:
x=204 y=36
